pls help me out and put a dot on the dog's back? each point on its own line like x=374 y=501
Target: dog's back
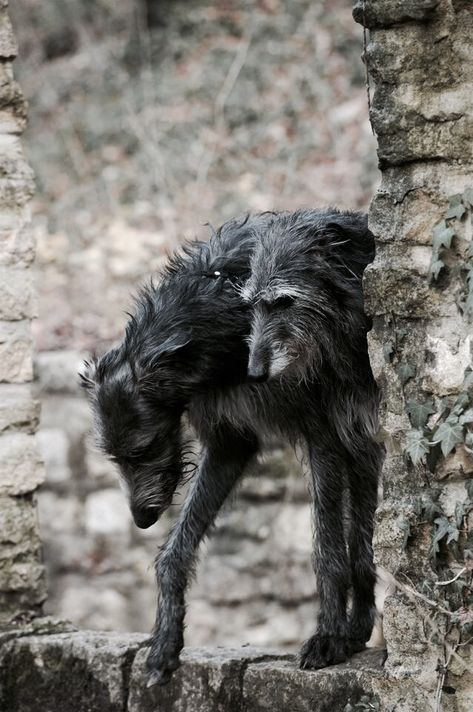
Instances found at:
x=312 y=262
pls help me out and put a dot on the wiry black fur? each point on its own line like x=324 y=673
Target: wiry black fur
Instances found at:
x=299 y=306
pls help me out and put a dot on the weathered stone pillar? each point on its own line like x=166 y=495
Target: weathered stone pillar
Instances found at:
x=420 y=293
x=22 y=587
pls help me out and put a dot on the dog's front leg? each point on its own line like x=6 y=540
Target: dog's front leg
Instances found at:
x=223 y=462
x=328 y=645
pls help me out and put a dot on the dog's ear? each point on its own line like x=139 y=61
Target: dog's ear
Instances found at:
x=352 y=238
x=88 y=375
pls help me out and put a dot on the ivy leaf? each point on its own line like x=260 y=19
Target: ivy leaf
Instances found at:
x=468 y=196
x=467 y=417
x=444 y=530
x=419 y=412
x=430 y=508
x=435 y=268
x=405 y=371
x=417 y=446
x=455 y=211
x=454 y=415
x=455 y=199
x=448 y=435
x=460 y=402
x=442 y=237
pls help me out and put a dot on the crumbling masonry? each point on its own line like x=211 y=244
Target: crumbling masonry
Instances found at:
x=22 y=586
x=418 y=290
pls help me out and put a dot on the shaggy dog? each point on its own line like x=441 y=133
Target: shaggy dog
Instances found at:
x=259 y=331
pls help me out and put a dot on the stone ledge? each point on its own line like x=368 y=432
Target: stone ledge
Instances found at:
x=82 y=671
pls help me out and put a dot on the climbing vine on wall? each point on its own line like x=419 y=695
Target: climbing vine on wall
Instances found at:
x=460 y=208
x=438 y=427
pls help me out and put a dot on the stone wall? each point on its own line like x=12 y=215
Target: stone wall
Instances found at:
x=419 y=291
x=53 y=668
x=22 y=587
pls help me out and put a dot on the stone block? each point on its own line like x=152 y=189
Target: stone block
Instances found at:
x=99 y=469
x=79 y=672
x=383 y=13
x=21 y=468
x=16 y=176
x=397 y=290
x=18 y=410
x=8 y=46
x=15 y=351
x=54 y=448
x=71 y=414
x=252 y=680
x=98 y=604
x=258 y=621
x=12 y=102
x=59 y=514
x=57 y=371
x=106 y=513
x=208 y=681
x=17 y=294
x=279 y=685
x=17 y=243
x=21 y=575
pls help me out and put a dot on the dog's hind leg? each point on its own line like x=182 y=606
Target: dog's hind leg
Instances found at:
x=363 y=469
x=224 y=459
x=328 y=645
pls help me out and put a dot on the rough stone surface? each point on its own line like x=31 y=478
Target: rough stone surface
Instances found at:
x=58 y=370
x=17 y=294
x=22 y=585
x=21 y=468
x=280 y=685
x=419 y=54
x=18 y=409
x=67 y=671
x=85 y=671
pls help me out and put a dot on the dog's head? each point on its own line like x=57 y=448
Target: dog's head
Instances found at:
x=305 y=291
x=140 y=432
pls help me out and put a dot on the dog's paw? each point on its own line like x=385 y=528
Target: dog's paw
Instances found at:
x=355 y=645
x=162 y=661
x=323 y=650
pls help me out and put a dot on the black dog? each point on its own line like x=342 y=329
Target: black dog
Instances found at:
x=185 y=351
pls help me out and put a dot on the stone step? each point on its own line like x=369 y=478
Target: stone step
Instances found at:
x=89 y=671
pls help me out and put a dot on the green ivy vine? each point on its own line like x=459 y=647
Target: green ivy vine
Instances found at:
x=460 y=207
x=437 y=428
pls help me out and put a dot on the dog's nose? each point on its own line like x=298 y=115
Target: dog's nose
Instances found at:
x=257 y=374
x=145 y=518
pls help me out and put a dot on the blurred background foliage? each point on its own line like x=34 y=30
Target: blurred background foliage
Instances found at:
x=150 y=119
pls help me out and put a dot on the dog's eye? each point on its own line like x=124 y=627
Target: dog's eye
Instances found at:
x=283 y=302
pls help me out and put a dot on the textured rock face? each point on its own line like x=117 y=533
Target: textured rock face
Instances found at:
x=21 y=574
x=85 y=671
x=419 y=54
